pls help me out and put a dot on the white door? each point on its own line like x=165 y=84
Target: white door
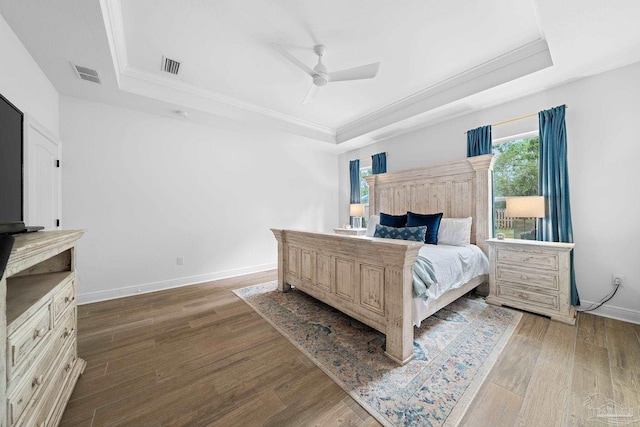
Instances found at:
x=41 y=176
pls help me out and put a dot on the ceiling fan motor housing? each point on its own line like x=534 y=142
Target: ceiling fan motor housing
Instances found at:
x=320 y=78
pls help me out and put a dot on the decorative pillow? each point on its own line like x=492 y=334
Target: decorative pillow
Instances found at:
x=455 y=231
x=432 y=221
x=396 y=221
x=371 y=225
x=403 y=233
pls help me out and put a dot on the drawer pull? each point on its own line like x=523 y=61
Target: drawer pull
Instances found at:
x=37 y=381
x=68 y=299
x=66 y=333
x=38 y=333
x=67 y=367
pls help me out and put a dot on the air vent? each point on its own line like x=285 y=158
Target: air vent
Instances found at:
x=170 y=65
x=87 y=74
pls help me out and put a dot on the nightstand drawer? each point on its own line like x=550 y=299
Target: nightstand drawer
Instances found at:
x=524 y=298
x=535 y=259
x=540 y=279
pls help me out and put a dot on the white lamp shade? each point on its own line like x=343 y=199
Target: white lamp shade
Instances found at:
x=356 y=209
x=525 y=207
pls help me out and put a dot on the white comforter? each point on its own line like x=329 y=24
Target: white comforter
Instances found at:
x=452 y=267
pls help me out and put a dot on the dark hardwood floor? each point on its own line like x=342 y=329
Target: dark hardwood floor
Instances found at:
x=199 y=356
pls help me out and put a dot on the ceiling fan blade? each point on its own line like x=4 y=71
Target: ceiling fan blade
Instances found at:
x=356 y=73
x=311 y=94
x=295 y=61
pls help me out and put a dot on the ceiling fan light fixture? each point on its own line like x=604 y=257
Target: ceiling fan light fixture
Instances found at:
x=320 y=79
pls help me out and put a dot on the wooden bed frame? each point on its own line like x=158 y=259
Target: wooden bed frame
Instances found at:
x=371 y=279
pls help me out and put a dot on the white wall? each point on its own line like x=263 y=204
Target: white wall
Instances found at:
x=23 y=83
x=149 y=189
x=603 y=147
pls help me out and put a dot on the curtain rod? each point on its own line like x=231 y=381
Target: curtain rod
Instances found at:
x=517 y=118
x=369 y=157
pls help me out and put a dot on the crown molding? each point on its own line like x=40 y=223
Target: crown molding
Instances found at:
x=218 y=101
x=112 y=17
x=519 y=62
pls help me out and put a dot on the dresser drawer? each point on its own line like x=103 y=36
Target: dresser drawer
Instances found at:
x=24 y=395
x=544 y=260
x=41 y=381
x=60 y=335
x=55 y=384
x=524 y=298
x=27 y=336
x=541 y=278
x=64 y=298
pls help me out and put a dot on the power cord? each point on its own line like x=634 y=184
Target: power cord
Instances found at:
x=605 y=299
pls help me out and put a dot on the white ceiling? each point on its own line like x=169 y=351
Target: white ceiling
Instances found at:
x=438 y=59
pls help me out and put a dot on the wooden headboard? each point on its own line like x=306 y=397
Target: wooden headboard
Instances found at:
x=457 y=189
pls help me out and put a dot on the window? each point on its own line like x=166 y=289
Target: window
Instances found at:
x=515 y=173
x=364 y=192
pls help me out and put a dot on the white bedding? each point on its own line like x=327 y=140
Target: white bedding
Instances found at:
x=453 y=267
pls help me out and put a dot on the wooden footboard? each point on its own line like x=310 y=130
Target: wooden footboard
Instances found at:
x=369 y=279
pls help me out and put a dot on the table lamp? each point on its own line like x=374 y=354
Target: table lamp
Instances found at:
x=356 y=211
x=526 y=207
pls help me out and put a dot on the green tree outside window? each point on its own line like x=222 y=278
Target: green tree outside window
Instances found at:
x=515 y=173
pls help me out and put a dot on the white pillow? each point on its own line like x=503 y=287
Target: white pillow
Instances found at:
x=371 y=225
x=455 y=231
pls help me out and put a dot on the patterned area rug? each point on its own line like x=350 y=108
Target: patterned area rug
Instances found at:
x=454 y=351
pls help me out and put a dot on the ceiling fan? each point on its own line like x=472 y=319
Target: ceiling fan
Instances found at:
x=321 y=76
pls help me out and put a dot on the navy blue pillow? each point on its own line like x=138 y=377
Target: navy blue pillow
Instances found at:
x=403 y=233
x=432 y=221
x=396 y=221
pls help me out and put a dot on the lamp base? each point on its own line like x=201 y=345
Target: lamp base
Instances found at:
x=356 y=222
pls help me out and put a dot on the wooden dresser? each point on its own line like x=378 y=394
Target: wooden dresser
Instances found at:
x=39 y=359
x=532 y=276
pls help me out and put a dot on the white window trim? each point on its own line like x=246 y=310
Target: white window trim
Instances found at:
x=515 y=137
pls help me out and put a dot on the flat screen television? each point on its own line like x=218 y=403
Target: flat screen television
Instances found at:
x=11 y=163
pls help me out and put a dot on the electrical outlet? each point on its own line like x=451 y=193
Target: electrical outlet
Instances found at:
x=180 y=260
x=617 y=280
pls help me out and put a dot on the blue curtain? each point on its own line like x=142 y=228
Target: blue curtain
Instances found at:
x=479 y=141
x=379 y=163
x=354 y=174
x=553 y=182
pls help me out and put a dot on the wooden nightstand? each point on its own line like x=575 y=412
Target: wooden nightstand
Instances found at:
x=351 y=231
x=532 y=276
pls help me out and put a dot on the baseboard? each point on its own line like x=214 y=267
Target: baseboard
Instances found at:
x=87 y=298
x=613 y=312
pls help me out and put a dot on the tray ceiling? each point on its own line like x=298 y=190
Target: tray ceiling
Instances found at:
x=438 y=59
